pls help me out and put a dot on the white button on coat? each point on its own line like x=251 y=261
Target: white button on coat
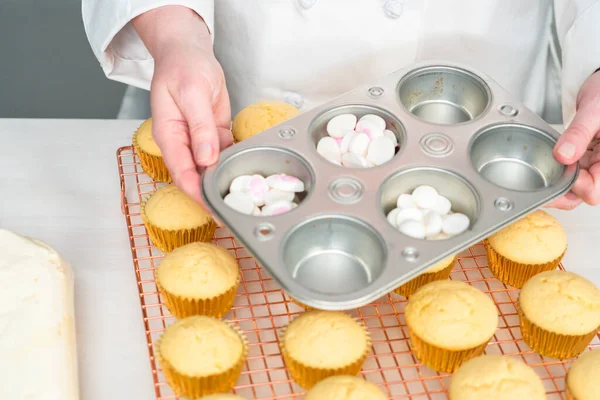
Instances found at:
x=393 y=8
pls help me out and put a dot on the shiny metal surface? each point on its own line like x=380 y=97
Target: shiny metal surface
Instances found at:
x=336 y=250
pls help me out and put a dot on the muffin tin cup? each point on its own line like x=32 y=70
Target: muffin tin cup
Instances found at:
x=409 y=288
x=440 y=359
x=153 y=166
x=193 y=387
x=552 y=344
x=513 y=273
x=216 y=306
x=307 y=376
x=458 y=131
x=167 y=240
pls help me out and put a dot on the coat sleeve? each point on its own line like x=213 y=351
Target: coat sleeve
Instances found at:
x=578 y=28
x=115 y=43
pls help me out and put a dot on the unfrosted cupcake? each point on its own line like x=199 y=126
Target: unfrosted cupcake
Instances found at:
x=583 y=378
x=345 y=387
x=319 y=344
x=149 y=153
x=496 y=377
x=559 y=313
x=258 y=117
x=440 y=271
x=198 y=279
x=449 y=322
x=201 y=355
x=534 y=244
x=173 y=219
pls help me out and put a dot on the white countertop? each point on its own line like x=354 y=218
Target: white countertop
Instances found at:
x=60 y=184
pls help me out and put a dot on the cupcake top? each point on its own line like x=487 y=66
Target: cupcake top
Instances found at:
x=223 y=396
x=441 y=265
x=198 y=270
x=496 y=377
x=344 y=387
x=325 y=339
x=562 y=302
x=201 y=346
x=583 y=379
x=452 y=315
x=536 y=239
x=169 y=208
x=144 y=138
x=255 y=118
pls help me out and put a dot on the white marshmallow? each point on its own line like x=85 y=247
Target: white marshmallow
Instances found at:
x=240 y=202
x=381 y=150
x=405 y=201
x=240 y=184
x=455 y=224
x=278 y=208
x=328 y=145
x=376 y=119
x=433 y=223
x=389 y=134
x=256 y=211
x=412 y=214
x=285 y=183
x=425 y=197
x=351 y=160
x=345 y=144
x=370 y=128
x=275 y=195
x=414 y=229
x=334 y=158
x=257 y=189
x=360 y=144
x=392 y=216
x=439 y=236
x=442 y=205
x=340 y=125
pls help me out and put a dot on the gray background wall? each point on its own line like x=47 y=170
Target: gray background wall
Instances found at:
x=47 y=69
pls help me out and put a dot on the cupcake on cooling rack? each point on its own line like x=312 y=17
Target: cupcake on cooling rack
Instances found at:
x=449 y=322
x=583 y=378
x=198 y=279
x=201 y=355
x=149 y=153
x=258 y=117
x=345 y=387
x=496 y=377
x=440 y=271
x=319 y=344
x=534 y=244
x=559 y=313
x=173 y=219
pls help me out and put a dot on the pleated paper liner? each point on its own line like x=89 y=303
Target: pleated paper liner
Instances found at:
x=410 y=287
x=513 y=273
x=153 y=166
x=181 y=306
x=551 y=344
x=193 y=387
x=167 y=240
x=307 y=376
x=440 y=359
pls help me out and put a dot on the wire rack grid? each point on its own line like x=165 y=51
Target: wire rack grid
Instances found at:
x=261 y=309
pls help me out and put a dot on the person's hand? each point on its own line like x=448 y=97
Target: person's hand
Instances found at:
x=191 y=113
x=580 y=143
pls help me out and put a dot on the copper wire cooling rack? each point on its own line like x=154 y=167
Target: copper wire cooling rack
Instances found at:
x=261 y=309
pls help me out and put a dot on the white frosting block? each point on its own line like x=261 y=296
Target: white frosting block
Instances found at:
x=38 y=353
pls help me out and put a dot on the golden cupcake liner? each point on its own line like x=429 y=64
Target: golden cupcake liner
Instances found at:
x=410 y=287
x=513 y=273
x=153 y=166
x=551 y=344
x=182 y=306
x=440 y=359
x=193 y=387
x=307 y=376
x=168 y=240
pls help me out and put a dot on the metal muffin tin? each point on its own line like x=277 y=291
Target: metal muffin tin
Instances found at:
x=459 y=132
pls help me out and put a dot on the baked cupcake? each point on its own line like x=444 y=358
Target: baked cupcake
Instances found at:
x=496 y=377
x=440 y=271
x=149 y=153
x=449 y=322
x=201 y=355
x=534 y=244
x=559 y=313
x=258 y=117
x=173 y=219
x=583 y=378
x=198 y=279
x=319 y=344
x=345 y=387
x=224 y=396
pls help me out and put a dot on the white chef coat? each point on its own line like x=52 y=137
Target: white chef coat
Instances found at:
x=306 y=52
